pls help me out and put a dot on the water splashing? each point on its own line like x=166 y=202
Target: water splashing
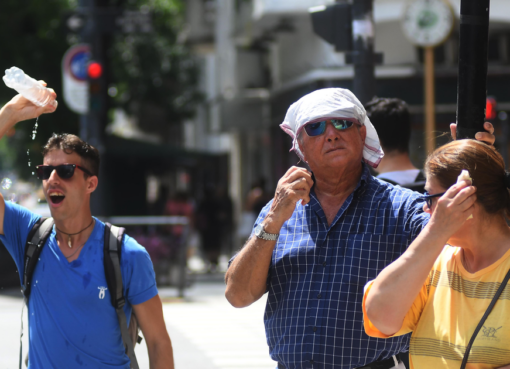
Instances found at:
x=6 y=183
x=34 y=131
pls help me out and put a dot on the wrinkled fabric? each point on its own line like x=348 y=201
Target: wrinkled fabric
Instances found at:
x=332 y=103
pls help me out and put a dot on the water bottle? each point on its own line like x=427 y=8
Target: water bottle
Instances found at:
x=28 y=87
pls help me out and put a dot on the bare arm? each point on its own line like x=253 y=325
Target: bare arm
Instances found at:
x=397 y=286
x=17 y=110
x=247 y=275
x=152 y=324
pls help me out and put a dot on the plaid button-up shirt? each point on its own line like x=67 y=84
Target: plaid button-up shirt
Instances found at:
x=314 y=316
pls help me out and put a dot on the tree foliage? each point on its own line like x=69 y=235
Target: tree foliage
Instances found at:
x=151 y=69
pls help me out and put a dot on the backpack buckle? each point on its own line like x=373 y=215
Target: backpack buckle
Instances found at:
x=121 y=302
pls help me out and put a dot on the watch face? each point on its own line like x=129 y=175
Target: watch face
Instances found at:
x=428 y=22
x=258 y=230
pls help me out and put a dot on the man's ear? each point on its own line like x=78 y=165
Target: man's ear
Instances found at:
x=363 y=133
x=92 y=183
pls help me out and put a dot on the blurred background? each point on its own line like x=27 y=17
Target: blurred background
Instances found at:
x=184 y=101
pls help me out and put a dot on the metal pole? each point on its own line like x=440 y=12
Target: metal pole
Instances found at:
x=472 y=83
x=430 y=111
x=96 y=118
x=363 y=50
x=183 y=257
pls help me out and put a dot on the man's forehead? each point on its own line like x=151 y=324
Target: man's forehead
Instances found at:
x=58 y=156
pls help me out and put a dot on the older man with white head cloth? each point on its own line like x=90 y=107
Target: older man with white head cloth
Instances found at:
x=323 y=236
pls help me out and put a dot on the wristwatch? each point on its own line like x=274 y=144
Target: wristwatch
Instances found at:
x=260 y=233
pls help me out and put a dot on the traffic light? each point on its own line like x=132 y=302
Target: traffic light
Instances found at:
x=490 y=109
x=96 y=86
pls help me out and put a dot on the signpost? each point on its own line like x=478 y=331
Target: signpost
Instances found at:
x=427 y=24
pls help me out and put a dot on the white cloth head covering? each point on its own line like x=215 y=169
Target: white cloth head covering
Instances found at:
x=331 y=103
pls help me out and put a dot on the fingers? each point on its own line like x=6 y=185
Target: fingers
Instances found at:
x=462 y=196
x=487 y=137
x=296 y=173
x=489 y=127
x=453 y=130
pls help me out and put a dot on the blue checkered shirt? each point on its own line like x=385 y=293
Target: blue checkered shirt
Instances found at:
x=313 y=317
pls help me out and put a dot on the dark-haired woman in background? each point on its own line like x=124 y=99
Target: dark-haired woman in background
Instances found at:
x=440 y=292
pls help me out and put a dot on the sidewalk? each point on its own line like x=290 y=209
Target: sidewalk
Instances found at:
x=206 y=331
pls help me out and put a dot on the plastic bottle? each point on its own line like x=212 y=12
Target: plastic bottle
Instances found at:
x=27 y=86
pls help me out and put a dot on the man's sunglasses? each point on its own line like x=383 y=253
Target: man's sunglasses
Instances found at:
x=318 y=128
x=64 y=171
x=428 y=198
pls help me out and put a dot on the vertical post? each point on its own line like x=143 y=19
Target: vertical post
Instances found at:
x=96 y=119
x=183 y=257
x=472 y=77
x=430 y=111
x=363 y=50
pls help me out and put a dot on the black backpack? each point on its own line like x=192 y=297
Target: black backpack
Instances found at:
x=112 y=252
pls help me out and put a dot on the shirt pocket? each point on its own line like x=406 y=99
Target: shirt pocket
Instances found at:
x=367 y=254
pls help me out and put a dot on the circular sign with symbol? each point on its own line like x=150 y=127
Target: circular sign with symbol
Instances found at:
x=74 y=78
x=428 y=23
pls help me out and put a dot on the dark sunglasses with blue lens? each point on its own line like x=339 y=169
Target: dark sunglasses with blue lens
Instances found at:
x=428 y=198
x=318 y=128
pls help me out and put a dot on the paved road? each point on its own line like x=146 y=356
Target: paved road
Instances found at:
x=207 y=333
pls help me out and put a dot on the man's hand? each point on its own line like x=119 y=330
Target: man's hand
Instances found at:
x=295 y=185
x=487 y=137
x=20 y=109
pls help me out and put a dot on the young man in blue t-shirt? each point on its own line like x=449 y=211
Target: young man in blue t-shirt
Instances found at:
x=72 y=322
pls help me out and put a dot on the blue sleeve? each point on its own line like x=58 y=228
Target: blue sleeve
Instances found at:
x=138 y=274
x=18 y=221
x=416 y=218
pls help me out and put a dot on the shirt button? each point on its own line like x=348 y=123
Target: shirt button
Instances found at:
x=324 y=264
x=319 y=296
x=315 y=329
x=311 y=361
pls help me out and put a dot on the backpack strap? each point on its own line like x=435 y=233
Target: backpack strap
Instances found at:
x=35 y=242
x=112 y=254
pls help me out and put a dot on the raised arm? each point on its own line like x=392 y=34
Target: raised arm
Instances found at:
x=247 y=275
x=397 y=286
x=17 y=110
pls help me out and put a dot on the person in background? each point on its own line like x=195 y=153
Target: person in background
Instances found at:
x=392 y=122
x=214 y=219
x=441 y=286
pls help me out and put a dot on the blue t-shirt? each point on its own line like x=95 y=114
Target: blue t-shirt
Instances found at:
x=72 y=323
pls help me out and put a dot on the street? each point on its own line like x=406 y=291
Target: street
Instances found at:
x=206 y=331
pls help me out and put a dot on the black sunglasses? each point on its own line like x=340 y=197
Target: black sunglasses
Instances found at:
x=428 y=198
x=64 y=171
x=318 y=128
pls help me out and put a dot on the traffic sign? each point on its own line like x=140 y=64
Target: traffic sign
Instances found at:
x=74 y=78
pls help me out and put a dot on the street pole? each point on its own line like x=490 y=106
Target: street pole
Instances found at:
x=363 y=50
x=430 y=110
x=473 y=60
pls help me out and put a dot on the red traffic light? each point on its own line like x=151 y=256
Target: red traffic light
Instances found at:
x=95 y=70
x=490 y=109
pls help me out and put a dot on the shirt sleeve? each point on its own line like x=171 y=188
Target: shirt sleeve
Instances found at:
x=416 y=218
x=18 y=221
x=410 y=320
x=137 y=269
